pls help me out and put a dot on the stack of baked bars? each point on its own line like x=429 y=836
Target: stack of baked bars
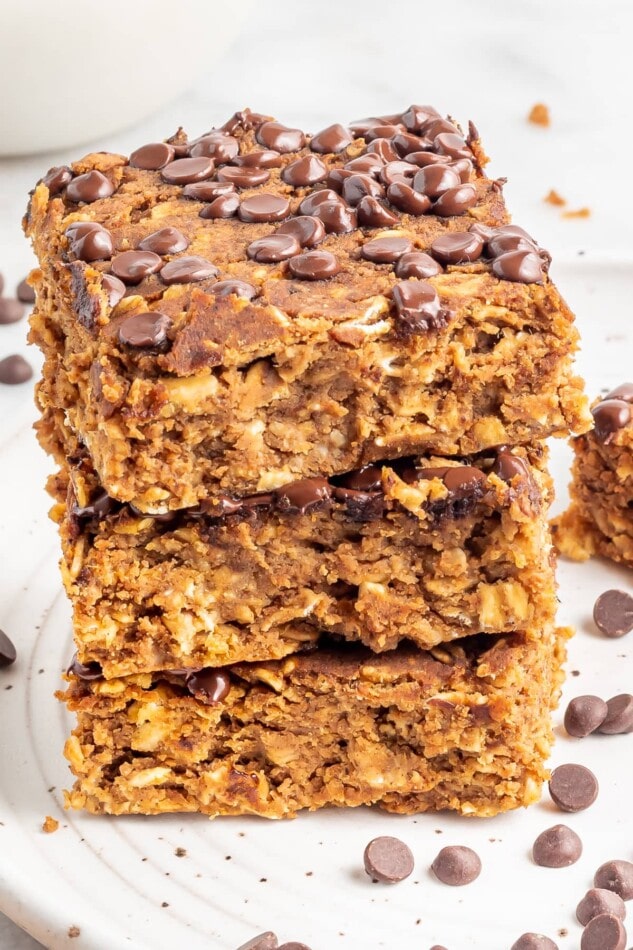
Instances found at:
x=297 y=388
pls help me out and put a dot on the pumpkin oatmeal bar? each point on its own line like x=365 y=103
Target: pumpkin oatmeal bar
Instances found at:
x=257 y=306
x=465 y=727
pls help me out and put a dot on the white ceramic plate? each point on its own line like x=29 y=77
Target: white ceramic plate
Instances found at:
x=120 y=882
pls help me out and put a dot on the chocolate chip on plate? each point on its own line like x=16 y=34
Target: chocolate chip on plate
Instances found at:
x=265 y=941
x=89 y=187
x=605 y=932
x=165 y=241
x=573 y=787
x=598 y=900
x=388 y=860
x=11 y=310
x=314 y=265
x=7 y=650
x=584 y=715
x=14 y=370
x=132 y=266
x=456 y=866
x=613 y=613
x=532 y=941
x=144 y=330
x=25 y=292
x=273 y=248
x=153 y=156
x=557 y=847
x=619 y=717
x=616 y=876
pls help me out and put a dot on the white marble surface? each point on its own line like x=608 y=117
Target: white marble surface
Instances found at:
x=313 y=64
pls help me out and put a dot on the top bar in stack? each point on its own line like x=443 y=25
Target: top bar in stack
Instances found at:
x=255 y=306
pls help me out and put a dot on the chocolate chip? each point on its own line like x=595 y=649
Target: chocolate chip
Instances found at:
x=25 y=292
x=14 y=370
x=7 y=650
x=616 y=876
x=406 y=142
x=294 y=945
x=613 y=613
x=435 y=180
x=397 y=173
x=356 y=187
x=224 y=206
x=417 y=307
x=437 y=126
x=456 y=866
x=598 y=901
x=308 y=230
x=366 y=479
x=89 y=187
x=239 y=288
x=336 y=217
x=573 y=787
x=144 y=330
x=558 y=847
x=312 y=201
x=11 y=310
x=609 y=416
x=531 y=941
x=1 y=285
x=457 y=247
x=386 y=250
x=56 y=179
x=165 y=241
x=332 y=139
x=604 y=932
x=422 y=159
x=464 y=168
x=187 y=270
x=273 y=248
x=263 y=158
x=243 y=177
x=384 y=149
x=305 y=171
x=114 y=288
x=509 y=237
x=132 y=266
x=280 y=137
x=87 y=672
x=462 y=479
x=522 y=266
x=406 y=199
x=153 y=156
x=508 y=466
x=89 y=241
x=208 y=190
x=314 y=265
x=455 y=201
x=417 y=264
x=366 y=165
x=449 y=143
x=219 y=146
x=416 y=118
x=185 y=170
x=265 y=941
x=624 y=391
x=209 y=685
x=303 y=495
x=384 y=131
x=619 y=717
x=584 y=714
x=264 y=207
x=388 y=860
x=372 y=214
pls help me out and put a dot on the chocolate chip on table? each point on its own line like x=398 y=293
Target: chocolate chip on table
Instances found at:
x=11 y=310
x=14 y=370
x=209 y=685
x=187 y=270
x=332 y=139
x=314 y=265
x=243 y=177
x=144 y=330
x=406 y=199
x=89 y=187
x=224 y=206
x=616 y=876
x=185 y=170
x=597 y=901
x=165 y=241
x=240 y=288
x=417 y=264
x=89 y=241
x=388 y=860
x=280 y=137
x=263 y=207
x=417 y=307
x=455 y=201
x=25 y=292
x=372 y=214
x=584 y=715
x=132 y=266
x=458 y=247
x=386 y=250
x=619 y=717
x=558 y=847
x=609 y=416
x=613 y=613
x=264 y=941
x=56 y=179
x=273 y=248
x=7 y=650
x=264 y=158
x=305 y=171
x=219 y=146
x=114 y=288
x=532 y=941
x=153 y=156
x=605 y=932
x=457 y=866
x=307 y=229
x=573 y=787
x=208 y=190
x=522 y=266
x=434 y=180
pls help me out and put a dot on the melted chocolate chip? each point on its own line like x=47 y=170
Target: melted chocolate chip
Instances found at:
x=145 y=330
x=219 y=146
x=609 y=416
x=356 y=187
x=332 y=139
x=435 y=180
x=457 y=247
x=305 y=171
x=89 y=187
x=384 y=149
x=209 y=685
x=208 y=190
x=273 y=248
x=224 y=206
x=336 y=217
x=406 y=142
x=152 y=157
x=417 y=118
x=187 y=270
x=397 y=172
x=509 y=237
x=417 y=307
x=307 y=229
x=98 y=509
x=366 y=165
x=279 y=137
x=522 y=266
x=243 y=177
x=624 y=392
x=303 y=495
x=239 y=288
x=366 y=479
x=455 y=201
x=114 y=288
x=311 y=202
x=406 y=199
x=56 y=179
x=508 y=466
x=372 y=214
x=132 y=266
x=264 y=207
x=314 y=265
x=386 y=250
x=165 y=241
x=451 y=144
x=417 y=264
x=263 y=158
x=186 y=170
x=89 y=241
x=84 y=671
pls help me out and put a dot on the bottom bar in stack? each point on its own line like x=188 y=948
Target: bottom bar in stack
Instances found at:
x=465 y=726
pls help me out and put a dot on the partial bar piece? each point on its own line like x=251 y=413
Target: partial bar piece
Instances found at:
x=253 y=307
x=424 y=549
x=465 y=727
x=600 y=517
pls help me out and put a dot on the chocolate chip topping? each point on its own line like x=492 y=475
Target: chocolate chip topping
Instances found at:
x=208 y=190
x=434 y=180
x=7 y=650
x=397 y=173
x=263 y=158
x=186 y=170
x=223 y=288
x=456 y=201
x=89 y=187
x=388 y=860
x=355 y=187
x=280 y=137
x=165 y=241
x=308 y=230
x=386 y=250
x=573 y=787
x=619 y=717
x=332 y=139
x=336 y=217
x=143 y=330
x=303 y=495
x=623 y=391
x=417 y=307
x=584 y=715
x=522 y=266
x=406 y=142
x=406 y=199
x=422 y=159
x=456 y=866
x=417 y=118
x=509 y=237
x=273 y=248
x=458 y=247
x=313 y=201
x=417 y=264
x=598 y=901
x=605 y=932
x=305 y=171
x=384 y=149
x=264 y=207
x=558 y=847
x=609 y=416
x=532 y=941
x=56 y=179
x=14 y=370
x=152 y=157
x=209 y=685
x=11 y=310
x=219 y=146
x=224 y=206
x=451 y=144
x=114 y=288
x=187 y=270
x=616 y=876
x=264 y=941
x=613 y=613
x=132 y=266
x=366 y=165
x=372 y=214
x=243 y=177
x=89 y=241
x=314 y=265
